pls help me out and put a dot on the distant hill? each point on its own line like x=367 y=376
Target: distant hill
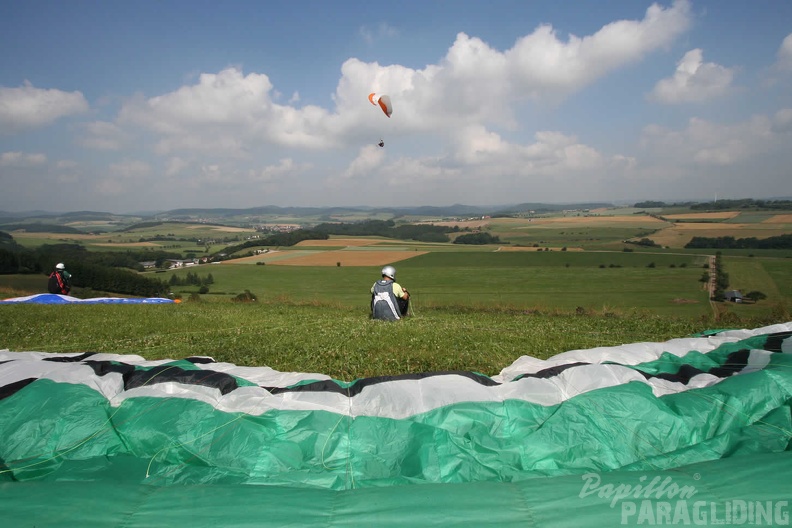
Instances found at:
x=40 y=228
x=456 y=210
x=29 y=220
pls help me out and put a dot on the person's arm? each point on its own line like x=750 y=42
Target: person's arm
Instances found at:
x=400 y=292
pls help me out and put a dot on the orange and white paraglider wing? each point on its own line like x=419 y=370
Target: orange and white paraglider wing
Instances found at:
x=383 y=101
x=385 y=104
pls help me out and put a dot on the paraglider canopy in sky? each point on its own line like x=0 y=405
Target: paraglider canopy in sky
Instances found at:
x=383 y=101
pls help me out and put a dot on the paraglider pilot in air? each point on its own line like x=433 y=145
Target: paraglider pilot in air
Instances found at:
x=384 y=102
x=389 y=300
x=59 y=280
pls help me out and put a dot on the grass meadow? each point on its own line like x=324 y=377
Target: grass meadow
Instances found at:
x=338 y=341
x=527 y=281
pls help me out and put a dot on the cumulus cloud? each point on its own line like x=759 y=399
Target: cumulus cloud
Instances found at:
x=29 y=107
x=693 y=81
x=273 y=173
x=476 y=83
x=102 y=135
x=21 y=159
x=175 y=166
x=705 y=143
x=367 y=160
x=544 y=66
x=225 y=113
x=456 y=131
x=66 y=164
x=784 y=55
x=232 y=113
x=551 y=152
x=124 y=176
x=782 y=120
x=130 y=169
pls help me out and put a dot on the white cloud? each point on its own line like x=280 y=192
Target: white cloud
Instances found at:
x=369 y=158
x=175 y=166
x=551 y=153
x=693 y=81
x=21 y=159
x=782 y=120
x=457 y=132
x=226 y=113
x=130 y=169
x=29 y=107
x=102 y=135
x=234 y=115
x=66 y=164
x=284 y=169
x=124 y=177
x=546 y=67
x=705 y=143
x=784 y=55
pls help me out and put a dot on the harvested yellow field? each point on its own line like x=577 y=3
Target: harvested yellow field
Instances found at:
x=779 y=219
x=60 y=236
x=348 y=258
x=129 y=244
x=472 y=224
x=680 y=234
x=731 y=228
x=349 y=242
x=224 y=229
x=598 y=220
x=720 y=215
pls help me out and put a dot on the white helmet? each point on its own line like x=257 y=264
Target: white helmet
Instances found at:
x=389 y=271
x=60 y=266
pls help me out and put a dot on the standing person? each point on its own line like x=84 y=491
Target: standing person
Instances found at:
x=59 y=280
x=389 y=300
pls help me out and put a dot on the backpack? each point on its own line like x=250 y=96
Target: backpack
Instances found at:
x=57 y=284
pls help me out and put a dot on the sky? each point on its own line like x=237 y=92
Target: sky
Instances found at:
x=134 y=106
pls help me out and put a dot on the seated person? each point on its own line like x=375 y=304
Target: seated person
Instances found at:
x=59 y=280
x=389 y=301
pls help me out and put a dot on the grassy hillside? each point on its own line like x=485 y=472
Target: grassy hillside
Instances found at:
x=338 y=341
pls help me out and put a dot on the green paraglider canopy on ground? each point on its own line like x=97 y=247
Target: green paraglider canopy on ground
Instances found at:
x=575 y=440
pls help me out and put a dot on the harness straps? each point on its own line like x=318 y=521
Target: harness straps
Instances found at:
x=386 y=297
x=61 y=284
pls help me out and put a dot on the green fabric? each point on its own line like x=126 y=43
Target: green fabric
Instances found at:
x=545 y=502
x=70 y=458
x=77 y=432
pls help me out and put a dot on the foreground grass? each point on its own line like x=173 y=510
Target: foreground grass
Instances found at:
x=333 y=340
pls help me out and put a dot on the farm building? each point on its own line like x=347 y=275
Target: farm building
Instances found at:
x=733 y=296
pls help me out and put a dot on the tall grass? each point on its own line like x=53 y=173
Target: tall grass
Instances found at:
x=332 y=339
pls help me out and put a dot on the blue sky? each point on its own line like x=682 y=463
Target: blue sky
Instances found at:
x=143 y=106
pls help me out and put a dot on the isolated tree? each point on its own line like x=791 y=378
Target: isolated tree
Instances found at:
x=755 y=296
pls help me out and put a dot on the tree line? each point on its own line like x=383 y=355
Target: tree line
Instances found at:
x=722 y=205
x=383 y=228
x=728 y=242
x=102 y=271
x=389 y=229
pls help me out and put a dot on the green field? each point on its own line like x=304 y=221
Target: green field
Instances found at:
x=545 y=281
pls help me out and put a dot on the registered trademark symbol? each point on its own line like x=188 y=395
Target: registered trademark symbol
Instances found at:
x=696 y=476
